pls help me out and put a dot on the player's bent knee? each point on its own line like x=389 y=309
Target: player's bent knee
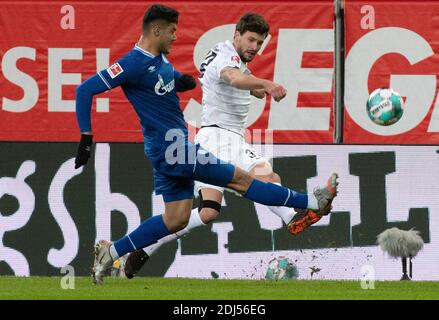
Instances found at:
x=208 y=209
x=262 y=169
x=272 y=177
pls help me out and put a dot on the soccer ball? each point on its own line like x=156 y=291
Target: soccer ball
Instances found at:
x=281 y=269
x=385 y=106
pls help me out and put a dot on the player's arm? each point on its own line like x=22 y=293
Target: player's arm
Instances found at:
x=239 y=80
x=84 y=98
x=258 y=93
x=123 y=72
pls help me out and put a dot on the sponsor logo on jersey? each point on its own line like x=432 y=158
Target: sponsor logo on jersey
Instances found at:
x=161 y=88
x=151 y=69
x=114 y=70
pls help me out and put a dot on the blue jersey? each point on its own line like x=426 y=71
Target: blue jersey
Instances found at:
x=148 y=82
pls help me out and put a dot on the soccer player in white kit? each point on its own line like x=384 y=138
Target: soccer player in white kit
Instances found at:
x=227 y=86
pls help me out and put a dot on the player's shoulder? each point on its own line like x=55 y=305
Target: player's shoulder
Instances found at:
x=139 y=56
x=224 y=48
x=226 y=52
x=137 y=61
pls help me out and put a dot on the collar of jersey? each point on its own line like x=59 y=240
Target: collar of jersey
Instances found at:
x=230 y=45
x=146 y=53
x=149 y=54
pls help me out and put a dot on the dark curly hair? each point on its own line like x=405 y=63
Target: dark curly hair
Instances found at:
x=252 y=22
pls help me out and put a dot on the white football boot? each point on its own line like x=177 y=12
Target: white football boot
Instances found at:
x=103 y=261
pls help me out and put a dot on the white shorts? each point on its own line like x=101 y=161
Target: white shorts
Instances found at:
x=227 y=146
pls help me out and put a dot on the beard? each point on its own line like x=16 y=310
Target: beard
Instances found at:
x=244 y=58
x=165 y=48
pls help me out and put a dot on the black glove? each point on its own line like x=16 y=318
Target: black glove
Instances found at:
x=185 y=82
x=84 y=150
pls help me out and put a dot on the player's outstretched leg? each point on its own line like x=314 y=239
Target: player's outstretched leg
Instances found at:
x=211 y=170
x=271 y=194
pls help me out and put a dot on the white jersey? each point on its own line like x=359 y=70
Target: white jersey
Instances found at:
x=223 y=105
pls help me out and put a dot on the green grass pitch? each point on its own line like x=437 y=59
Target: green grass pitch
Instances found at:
x=211 y=289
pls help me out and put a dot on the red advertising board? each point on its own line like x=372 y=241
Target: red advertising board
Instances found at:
x=392 y=44
x=47 y=48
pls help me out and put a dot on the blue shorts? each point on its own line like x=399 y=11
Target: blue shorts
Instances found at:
x=175 y=179
x=173 y=188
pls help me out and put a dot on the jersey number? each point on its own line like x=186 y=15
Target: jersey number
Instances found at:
x=209 y=58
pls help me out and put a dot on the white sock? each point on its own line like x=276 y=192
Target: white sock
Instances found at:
x=194 y=221
x=113 y=253
x=285 y=213
x=152 y=248
x=313 y=204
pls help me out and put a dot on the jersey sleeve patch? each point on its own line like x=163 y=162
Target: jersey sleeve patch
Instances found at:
x=114 y=70
x=235 y=59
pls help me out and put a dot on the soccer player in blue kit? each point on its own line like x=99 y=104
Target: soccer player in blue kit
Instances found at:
x=150 y=83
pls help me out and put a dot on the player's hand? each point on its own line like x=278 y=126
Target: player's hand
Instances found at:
x=275 y=90
x=185 y=82
x=84 y=150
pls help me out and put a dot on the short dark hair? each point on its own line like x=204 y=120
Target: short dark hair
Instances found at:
x=159 y=12
x=252 y=22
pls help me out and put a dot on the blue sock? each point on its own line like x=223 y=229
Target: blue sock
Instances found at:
x=146 y=234
x=272 y=194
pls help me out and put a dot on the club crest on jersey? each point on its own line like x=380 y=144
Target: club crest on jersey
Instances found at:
x=235 y=58
x=161 y=88
x=114 y=70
